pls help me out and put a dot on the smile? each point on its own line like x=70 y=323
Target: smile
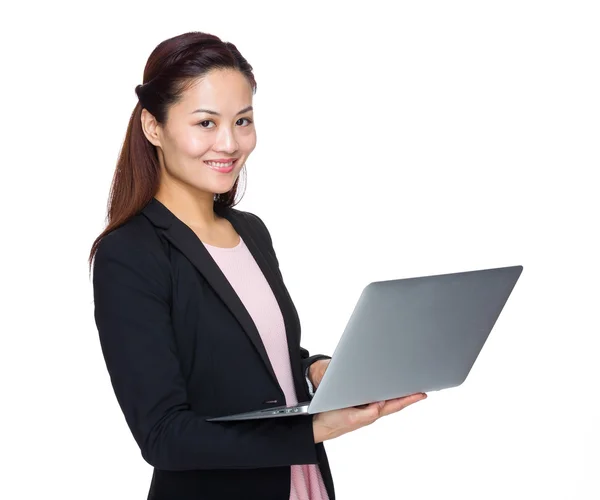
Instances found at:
x=219 y=166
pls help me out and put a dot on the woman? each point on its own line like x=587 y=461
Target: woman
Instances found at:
x=193 y=315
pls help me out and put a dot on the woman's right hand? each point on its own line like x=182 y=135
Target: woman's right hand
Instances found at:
x=333 y=424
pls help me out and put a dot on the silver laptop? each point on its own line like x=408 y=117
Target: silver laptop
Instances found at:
x=407 y=336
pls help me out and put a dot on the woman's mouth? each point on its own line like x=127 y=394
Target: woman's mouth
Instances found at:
x=221 y=166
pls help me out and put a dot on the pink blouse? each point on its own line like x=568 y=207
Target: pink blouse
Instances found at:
x=246 y=278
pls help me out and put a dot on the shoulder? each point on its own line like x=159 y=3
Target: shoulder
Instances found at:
x=129 y=265
x=136 y=242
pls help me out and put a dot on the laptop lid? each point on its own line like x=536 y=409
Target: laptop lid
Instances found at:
x=413 y=335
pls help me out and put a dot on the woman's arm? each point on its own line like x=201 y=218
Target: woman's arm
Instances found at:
x=132 y=313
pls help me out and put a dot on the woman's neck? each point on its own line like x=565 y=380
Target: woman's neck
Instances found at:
x=194 y=208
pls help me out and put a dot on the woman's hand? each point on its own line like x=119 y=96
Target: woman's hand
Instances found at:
x=335 y=423
x=316 y=372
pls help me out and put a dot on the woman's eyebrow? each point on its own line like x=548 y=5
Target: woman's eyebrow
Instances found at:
x=210 y=112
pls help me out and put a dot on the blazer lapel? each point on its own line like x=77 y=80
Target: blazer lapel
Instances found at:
x=292 y=329
x=187 y=242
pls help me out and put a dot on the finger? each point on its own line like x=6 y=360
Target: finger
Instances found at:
x=398 y=404
x=395 y=405
x=418 y=396
x=411 y=397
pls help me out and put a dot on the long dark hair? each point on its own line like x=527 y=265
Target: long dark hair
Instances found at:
x=171 y=68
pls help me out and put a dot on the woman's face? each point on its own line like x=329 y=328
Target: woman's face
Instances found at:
x=213 y=121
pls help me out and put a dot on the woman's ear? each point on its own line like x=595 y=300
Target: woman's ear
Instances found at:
x=151 y=128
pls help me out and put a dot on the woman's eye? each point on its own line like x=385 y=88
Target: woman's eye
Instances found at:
x=204 y=123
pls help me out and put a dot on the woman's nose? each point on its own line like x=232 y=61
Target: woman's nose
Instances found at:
x=226 y=141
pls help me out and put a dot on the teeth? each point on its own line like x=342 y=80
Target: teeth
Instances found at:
x=218 y=164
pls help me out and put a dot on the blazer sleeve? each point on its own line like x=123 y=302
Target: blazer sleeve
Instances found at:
x=132 y=312
x=307 y=359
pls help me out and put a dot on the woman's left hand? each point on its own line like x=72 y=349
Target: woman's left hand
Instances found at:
x=316 y=371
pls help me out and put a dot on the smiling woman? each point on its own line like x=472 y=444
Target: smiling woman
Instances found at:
x=192 y=312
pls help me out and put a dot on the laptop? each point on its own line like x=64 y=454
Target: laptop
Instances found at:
x=407 y=336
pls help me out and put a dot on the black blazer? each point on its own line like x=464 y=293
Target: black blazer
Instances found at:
x=181 y=347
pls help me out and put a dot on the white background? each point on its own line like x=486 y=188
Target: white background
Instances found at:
x=395 y=139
